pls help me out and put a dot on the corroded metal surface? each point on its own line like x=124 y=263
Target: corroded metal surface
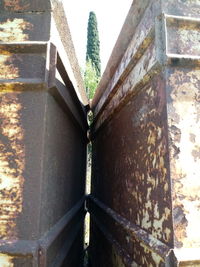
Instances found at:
x=139 y=154
x=19 y=27
x=24 y=5
x=124 y=38
x=183 y=120
x=145 y=186
x=42 y=142
x=128 y=239
x=143 y=36
x=12 y=164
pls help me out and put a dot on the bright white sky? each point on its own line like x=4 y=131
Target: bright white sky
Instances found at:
x=110 y=14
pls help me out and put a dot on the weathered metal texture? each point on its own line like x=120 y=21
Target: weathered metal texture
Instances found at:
x=21 y=21
x=42 y=145
x=25 y=5
x=145 y=188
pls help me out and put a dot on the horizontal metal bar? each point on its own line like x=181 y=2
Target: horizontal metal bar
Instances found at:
x=182 y=56
x=119 y=249
x=49 y=238
x=24 y=47
x=18 y=87
x=24 y=43
x=30 y=247
x=183 y=18
x=68 y=244
x=24 y=81
x=147 y=239
x=19 y=247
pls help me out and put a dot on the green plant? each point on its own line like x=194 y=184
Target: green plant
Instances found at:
x=93 y=44
x=91 y=79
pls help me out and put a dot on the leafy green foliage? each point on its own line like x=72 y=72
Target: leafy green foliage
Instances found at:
x=91 y=79
x=93 y=43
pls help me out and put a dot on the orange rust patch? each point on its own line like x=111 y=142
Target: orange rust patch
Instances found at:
x=12 y=161
x=15 y=5
x=7 y=68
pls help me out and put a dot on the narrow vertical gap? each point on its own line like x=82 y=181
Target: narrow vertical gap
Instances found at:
x=88 y=191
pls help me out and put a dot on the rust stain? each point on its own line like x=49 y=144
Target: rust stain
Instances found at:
x=151 y=151
x=12 y=162
x=6 y=261
x=147 y=150
x=13 y=30
x=184 y=116
x=7 y=69
x=152 y=216
x=16 y=5
x=136 y=141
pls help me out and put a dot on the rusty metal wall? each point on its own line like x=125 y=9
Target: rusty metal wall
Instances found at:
x=42 y=139
x=145 y=204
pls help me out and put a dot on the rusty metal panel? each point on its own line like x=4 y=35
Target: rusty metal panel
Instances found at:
x=145 y=188
x=23 y=63
x=43 y=155
x=42 y=147
x=20 y=27
x=25 y=5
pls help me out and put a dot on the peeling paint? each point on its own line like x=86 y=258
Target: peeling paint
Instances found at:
x=14 y=30
x=139 y=152
x=185 y=166
x=6 y=261
x=187 y=36
x=146 y=139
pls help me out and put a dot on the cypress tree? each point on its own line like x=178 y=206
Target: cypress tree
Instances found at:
x=93 y=44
